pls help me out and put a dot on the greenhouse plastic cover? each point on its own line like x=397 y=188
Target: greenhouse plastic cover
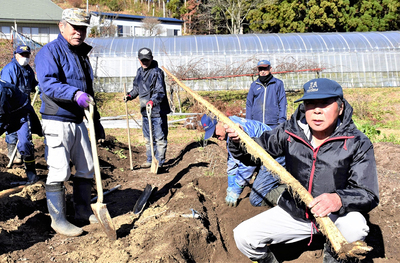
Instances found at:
x=248 y=44
x=357 y=59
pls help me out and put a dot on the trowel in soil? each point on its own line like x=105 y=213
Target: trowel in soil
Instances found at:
x=154 y=161
x=99 y=209
x=141 y=202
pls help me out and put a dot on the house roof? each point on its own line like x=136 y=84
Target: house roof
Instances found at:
x=29 y=11
x=138 y=18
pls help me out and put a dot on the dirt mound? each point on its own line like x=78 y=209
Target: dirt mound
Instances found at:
x=185 y=220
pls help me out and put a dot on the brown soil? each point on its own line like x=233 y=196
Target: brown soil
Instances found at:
x=195 y=179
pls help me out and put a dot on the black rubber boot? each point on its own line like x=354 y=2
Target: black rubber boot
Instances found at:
x=10 y=149
x=30 y=169
x=268 y=258
x=55 y=195
x=271 y=198
x=83 y=211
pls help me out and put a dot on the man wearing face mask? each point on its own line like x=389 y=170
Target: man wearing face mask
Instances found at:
x=19 y=73
x=266 y=100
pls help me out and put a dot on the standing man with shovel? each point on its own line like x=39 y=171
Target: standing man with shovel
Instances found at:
x=66 y=80
x=149 y=85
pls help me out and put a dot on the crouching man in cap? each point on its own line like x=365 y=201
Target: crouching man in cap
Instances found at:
x=330 y=157
x=66 y=81
x=265 y=188
x=21 y=75
x=17 y=115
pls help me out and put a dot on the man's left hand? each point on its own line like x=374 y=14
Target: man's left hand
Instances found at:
x=150 y=102
x=99 y=131
x=325 y=204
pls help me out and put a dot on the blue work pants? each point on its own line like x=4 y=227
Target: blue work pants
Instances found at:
x=263 y=183
x=160 y=134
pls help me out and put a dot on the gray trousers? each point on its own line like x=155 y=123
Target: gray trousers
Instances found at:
x=65 y=142
x=276 y=226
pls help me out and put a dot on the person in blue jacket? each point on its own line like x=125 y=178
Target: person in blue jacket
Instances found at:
x=265 y=186
x=66 y=82
x=17 y=115
x=328 y=156
x=19 y=73
x=149 y=85
x=266 y=101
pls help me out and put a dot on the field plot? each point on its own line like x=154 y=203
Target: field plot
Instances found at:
x=195 y=180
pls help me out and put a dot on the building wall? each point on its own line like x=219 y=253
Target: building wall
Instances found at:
x=130 y=28
x=41 y=33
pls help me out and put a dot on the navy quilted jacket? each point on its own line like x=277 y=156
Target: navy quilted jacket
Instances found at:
x=149 y=84
x=62 y=70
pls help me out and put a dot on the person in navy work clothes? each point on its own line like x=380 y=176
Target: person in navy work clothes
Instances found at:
x=19 y=73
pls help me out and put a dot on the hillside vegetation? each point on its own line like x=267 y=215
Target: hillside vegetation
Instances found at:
x=270 y=16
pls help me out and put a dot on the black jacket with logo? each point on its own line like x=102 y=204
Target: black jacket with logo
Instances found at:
x=343 y=164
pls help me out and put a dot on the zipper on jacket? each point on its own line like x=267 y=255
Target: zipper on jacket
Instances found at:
x=314 y=158
x=265 y=96
x=81 y=70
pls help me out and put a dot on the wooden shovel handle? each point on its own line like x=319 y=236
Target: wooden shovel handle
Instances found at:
x=129 y=133
x=89 y=115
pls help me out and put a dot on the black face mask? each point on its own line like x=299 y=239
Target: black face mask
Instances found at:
x=265 y=79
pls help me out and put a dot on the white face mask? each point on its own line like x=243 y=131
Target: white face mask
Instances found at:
x=23 y=61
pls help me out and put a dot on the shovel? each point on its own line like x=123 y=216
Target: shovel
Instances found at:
x=154 y=161
x=99 y=209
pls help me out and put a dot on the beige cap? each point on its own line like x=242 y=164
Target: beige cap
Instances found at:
x=76 y=16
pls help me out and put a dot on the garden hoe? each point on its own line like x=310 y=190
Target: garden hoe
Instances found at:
x=99 y=209
x=154 y=161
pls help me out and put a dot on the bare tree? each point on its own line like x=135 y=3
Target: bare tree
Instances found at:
x=152 y=26
x=105 y=28
x=234 y=12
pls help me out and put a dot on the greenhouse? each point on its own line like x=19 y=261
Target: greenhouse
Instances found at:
x=223 y=62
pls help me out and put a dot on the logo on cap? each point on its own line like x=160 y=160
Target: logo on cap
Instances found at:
x=144 y=52
x=313 y=87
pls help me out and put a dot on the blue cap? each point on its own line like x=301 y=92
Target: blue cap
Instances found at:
x=263 y=63
x=321 y=89
x=23 y=49
x=209 y=125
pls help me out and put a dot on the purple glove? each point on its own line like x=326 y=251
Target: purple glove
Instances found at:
x=83 y=99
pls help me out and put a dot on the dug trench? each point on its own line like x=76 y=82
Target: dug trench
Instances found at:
x=193 y=183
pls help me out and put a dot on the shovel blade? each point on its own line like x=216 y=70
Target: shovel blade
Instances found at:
x=154 y=166
x=101 y=213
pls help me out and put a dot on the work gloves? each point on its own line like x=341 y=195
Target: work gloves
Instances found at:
x=128 y=97
x=83 y=99
x=150 y=102
x=233 y=192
